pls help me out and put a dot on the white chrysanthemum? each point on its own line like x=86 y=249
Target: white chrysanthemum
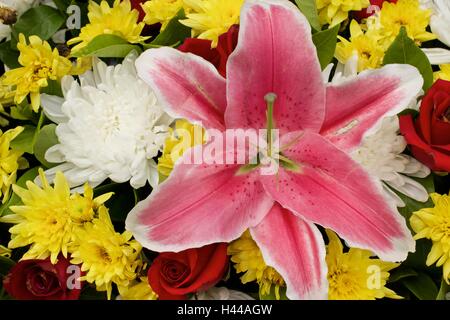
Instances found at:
x=381 y=154
x=440 y=19
x=109 y=126
x=221 y=293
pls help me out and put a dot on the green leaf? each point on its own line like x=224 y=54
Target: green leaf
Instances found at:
x=46 y=138
x=422 y=286
x=89 y=292
x=325 y=42
x=443 y=290
x=5 y=265
x=9 y=56
x=417 y=260
x=404 y=50
x=53 y=88
x=107 y=46
x=272 y=295
x=401 y=273
x=42 y=21
x=22 y=111
x=121 y=202
x=309 y=9
x=15 y=199
x=174 y=33
x=24 y=141
x=62 y=4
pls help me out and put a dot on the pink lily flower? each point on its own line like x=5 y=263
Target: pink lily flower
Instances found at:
x=319 y=124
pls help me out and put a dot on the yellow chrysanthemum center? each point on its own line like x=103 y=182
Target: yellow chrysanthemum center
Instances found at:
x=120 y=20
x=434 y=224
x=106 y=256
x=211 y=18
x=161 y=11
x=333 y=12
x=185 y=136
x=10 y=162
x=404 y=13
x=39 y=64
x=364 y=45
x=443 y=73
x=50 y=217
x=138 y=290
x=248 y=258
x=354 y=275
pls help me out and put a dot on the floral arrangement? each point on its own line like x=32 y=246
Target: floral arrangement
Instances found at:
x=224 y=149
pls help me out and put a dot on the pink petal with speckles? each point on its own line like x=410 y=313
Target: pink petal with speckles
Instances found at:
x=295 y=248
x=199 y=204
x=332 y=190
x=275 y=53
x=355 y=106
x=187 y=85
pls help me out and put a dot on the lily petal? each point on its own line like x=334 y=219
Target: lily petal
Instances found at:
x=187 y=85
x=295 y=248
x=332 y=190
x=199 y=205
x=275 y=54
x=355 y=107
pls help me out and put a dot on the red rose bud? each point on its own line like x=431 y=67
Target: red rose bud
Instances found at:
x=136 y=4
x=41 y=280
x=217 y=56
x=429 y=135
x=174 y=275
x=375 y=6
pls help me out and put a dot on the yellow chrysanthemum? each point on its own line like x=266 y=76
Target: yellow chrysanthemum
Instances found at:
x=248 y=258
x=39 y=64
x=138 y=290
x=404 y=13
x=365 y=45
x=354 y=275
x=444 y=73
x=434 y=224
x=185 y=136
x=10 y=162
x=211 y=18
x=120 y=20
x=4 y=252
x=333 y=12
x=50 y=216
x=106 y=256
x=161 y=11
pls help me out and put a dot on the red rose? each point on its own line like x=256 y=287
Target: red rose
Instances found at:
x=217 y=56
x=174 y=275
x=136 y=4
x=367 y=12
x=429 y=134
x=41 y=280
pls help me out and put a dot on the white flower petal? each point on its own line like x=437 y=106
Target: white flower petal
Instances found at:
x=221 y=293
x=113 y=126
x=52 y=108
x=437 y=55
x=410 y=188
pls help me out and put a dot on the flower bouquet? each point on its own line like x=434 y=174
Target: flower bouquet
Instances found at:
x=224 y=149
